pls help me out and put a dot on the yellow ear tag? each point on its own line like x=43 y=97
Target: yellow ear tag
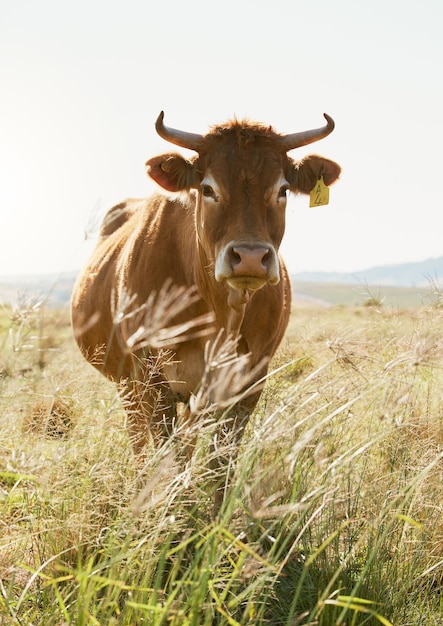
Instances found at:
x=319 y=196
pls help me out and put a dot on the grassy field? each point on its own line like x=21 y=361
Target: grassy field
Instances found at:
x=365 y=295
x=336 y=512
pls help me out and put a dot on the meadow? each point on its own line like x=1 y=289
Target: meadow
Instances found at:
x=335 y=517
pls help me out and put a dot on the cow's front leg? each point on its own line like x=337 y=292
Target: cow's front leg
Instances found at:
x=225 y=444
x=151 y=411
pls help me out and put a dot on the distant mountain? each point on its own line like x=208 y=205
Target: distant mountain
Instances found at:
x=56 y=290
x=421 y=274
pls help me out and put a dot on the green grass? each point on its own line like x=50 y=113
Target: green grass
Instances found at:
x=335 y=516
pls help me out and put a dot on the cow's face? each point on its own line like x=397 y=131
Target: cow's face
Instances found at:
x=240 y=213
x=242 y=177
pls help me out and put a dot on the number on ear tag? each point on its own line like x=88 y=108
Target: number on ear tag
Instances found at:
x=319 y=196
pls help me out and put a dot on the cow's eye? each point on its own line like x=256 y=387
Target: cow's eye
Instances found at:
x=282 y=193
x=207 y=191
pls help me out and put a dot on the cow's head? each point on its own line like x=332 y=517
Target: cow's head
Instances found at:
x=242 y=174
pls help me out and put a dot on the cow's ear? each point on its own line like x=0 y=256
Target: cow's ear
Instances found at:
x=303 y=174
x=172 y=172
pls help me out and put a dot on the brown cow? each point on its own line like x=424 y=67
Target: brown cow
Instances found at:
x=217 y=242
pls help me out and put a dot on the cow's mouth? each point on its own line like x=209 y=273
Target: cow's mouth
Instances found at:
x=251 y=283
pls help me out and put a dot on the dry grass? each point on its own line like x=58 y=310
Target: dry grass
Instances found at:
x=336 y=514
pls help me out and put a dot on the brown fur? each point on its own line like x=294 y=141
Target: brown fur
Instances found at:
x=180 y=239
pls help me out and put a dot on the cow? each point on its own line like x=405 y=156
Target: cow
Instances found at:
x=203 y=260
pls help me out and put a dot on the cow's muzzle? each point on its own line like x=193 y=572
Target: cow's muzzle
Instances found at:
x=247 y=265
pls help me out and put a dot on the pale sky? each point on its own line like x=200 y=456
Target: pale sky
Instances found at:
x=81 y=84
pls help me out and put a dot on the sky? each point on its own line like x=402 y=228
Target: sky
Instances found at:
x=81 y=84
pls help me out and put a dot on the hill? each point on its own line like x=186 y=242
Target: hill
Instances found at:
x=419 y=274
x=406 y=284
x=54 y=289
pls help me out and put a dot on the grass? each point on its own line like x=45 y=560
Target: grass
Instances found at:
x=366 y=295
x=336 y=511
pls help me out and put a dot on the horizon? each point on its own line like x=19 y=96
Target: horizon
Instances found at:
x=74 y=271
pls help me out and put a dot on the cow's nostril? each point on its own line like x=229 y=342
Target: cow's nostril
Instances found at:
x=236 y=258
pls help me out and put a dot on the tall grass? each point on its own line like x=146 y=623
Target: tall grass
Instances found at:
x=335 y=513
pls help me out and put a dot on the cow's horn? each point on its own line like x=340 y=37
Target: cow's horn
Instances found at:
x=178 y=137
x=296 y=140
